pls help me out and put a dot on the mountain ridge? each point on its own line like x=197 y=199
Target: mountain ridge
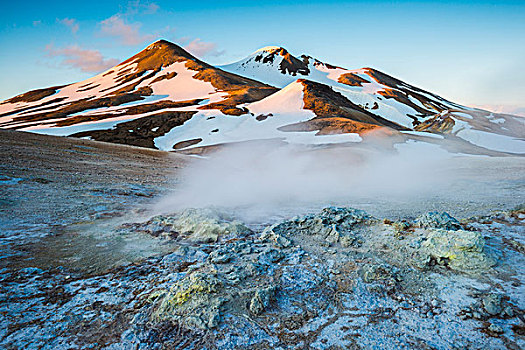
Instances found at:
x=163 y=89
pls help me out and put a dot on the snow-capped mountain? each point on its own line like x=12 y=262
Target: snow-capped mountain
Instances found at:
x=384 y=95
x=273 y=65
x=161 y=81
x=165 y=98
x=390 y=98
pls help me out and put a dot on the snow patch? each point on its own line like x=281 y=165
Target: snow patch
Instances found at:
x=492 y=141
x=269 y=49
x=72 y=129
x=424 y=134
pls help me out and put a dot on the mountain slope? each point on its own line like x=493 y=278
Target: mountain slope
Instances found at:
x=389 y=98
x=164 y=90
x=162 y=77
x=287 y=115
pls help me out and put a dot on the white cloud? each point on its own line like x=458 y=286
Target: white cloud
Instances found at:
x=139 y=7
x=201 y=48
x=71 y=23
x=91 y=61
x=505 y=109
x=127 y=33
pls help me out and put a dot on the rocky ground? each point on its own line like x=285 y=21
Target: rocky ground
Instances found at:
x=54 y=189
x=332 y=280
x=338 y=278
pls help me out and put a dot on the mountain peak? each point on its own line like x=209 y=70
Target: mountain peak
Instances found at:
x=287 y=63
x=272 y=65
x=161 y=53
x=165 y=45
x=161 y=44
x=272 y=50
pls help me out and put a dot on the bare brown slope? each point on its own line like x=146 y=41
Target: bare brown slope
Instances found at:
x=140 y=132
x=437 y=124
x=34 y=95
x=351 y=79
x=331 y=125
x=327 y=103
x=335 y=114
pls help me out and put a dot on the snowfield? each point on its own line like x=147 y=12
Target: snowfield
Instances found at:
x=285 y=107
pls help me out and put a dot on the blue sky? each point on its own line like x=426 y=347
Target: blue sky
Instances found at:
x=469 y=52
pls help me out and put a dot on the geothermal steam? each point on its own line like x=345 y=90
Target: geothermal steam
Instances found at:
x=266 y=178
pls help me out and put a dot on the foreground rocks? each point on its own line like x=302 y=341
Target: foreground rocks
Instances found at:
x=332 y=280
x=331 y=225
x=460 y=250
x=200 y=226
